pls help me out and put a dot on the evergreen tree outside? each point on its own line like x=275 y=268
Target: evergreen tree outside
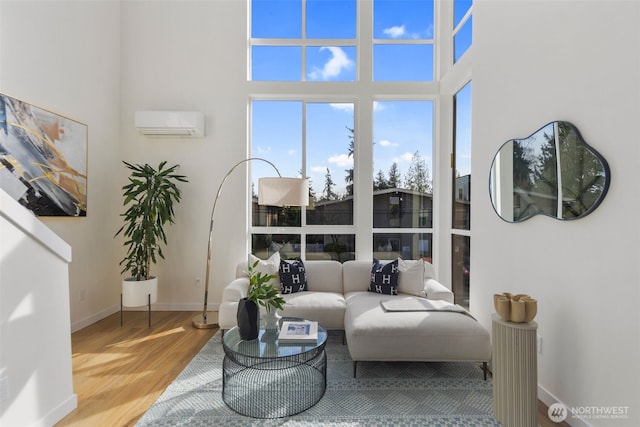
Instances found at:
x=380 y=182
x=348 y=179
x=395 y=179
x=328 y=193
x=417 y=177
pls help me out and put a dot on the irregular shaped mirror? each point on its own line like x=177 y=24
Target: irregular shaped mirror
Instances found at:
x=553 y=172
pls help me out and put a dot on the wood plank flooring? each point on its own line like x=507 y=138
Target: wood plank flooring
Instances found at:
x=118 y=372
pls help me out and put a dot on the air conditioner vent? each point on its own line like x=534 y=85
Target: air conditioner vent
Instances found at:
x=170 y=123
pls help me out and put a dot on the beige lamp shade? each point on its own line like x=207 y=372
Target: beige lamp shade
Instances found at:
x=279 y=191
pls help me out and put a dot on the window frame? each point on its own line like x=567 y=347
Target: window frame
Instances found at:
x=303 y=42
x=363 y=92
x=463 y=296
x=304 y=230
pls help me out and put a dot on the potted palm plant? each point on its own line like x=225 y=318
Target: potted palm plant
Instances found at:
x=261 y=292
x=150 y=197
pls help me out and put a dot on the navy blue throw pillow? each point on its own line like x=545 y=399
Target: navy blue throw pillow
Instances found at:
x=384 y=278
x=293 y=276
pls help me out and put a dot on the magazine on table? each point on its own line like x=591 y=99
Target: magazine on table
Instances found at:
x=298 y=332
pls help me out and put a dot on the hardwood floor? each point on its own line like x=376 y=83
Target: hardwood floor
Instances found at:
x=118 y=372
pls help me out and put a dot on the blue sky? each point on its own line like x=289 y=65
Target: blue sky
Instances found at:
x=400 y=128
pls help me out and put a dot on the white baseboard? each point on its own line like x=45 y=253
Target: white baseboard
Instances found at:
x=76 y=326
x=59 y=412
x=188 y=306
x=549 y=399
x=170 y=306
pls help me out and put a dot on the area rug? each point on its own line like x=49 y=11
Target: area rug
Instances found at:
x=383 y=394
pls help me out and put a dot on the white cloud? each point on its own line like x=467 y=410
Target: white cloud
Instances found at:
x=318 y=169
x=387 y=143
x=291 y=152
x=378 y=106
x=348 y=107
x=429 y=32
x=395 y=31
x=262 y=150
x=342 y=160
x=333 y=67
x=404 y=158
x=399 y=31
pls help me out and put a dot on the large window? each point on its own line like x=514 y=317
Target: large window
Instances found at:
x=314 y=140
x=303 y=41
x=402 y=179
x=461 y=185
x=329 y=162
x=347 y=93
x=276 y=129
x=403 y=34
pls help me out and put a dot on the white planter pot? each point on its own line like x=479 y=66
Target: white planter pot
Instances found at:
x=136 y=293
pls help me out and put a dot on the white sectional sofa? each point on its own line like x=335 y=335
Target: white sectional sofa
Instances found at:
x=337 y=297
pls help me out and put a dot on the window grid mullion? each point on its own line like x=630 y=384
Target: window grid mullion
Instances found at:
x=463 y=21
x=404 y=41
x=304 y=42
x=304 y=153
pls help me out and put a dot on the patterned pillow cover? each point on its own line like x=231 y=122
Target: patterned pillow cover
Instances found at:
x=384 y=278
x=293 y=276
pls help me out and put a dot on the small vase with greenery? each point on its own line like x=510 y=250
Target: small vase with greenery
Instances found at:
x=150 y=197
x=261 y=292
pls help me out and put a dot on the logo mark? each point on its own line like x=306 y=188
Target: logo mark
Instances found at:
x=557 y=412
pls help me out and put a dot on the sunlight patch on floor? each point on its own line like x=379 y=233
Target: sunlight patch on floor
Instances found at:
x=132 y=342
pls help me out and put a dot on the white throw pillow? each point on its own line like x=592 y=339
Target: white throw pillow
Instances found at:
x=411 y=277
x=269 y=266
x=429 y=271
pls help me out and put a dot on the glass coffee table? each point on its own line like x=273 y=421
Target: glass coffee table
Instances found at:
x=263 y=378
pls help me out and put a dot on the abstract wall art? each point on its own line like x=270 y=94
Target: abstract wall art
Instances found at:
x=43 y=159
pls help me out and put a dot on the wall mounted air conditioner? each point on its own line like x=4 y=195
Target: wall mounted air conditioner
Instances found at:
x=170 y=123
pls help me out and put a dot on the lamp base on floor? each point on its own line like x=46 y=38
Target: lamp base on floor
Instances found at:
x=200 y=321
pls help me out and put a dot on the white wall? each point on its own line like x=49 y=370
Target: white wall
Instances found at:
x=35 y=345
x=64 y=56
x=579 y=61
x=191 y=56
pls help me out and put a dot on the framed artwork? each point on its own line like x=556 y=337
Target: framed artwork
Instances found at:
x=43 y=159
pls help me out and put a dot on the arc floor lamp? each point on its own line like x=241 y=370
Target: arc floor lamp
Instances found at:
x=275 y=191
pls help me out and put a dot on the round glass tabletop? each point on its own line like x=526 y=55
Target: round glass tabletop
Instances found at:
x=267 y=344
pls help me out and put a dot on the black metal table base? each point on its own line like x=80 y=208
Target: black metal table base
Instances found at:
x=274 y=388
